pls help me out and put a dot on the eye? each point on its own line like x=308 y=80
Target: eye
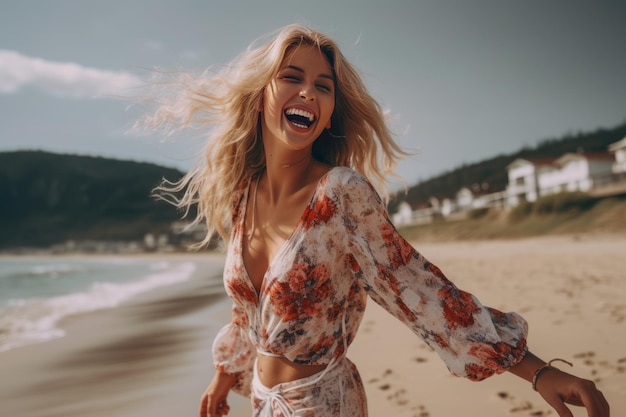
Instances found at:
x=291 y=78
x=324 y=87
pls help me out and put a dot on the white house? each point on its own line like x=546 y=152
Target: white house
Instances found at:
x=404 y=215
x=575 y=172
x=524 y=179
x=619 y=149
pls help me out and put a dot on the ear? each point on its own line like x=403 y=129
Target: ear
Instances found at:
x=328 y=125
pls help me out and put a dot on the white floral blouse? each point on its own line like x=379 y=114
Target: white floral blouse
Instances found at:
x=314 y=291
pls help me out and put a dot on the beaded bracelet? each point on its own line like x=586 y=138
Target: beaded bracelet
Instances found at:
x=546 y=367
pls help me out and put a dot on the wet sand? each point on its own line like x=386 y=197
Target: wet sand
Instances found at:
x=152 y=356
x=148 y=357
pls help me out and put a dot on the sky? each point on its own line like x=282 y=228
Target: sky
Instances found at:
x=464 y=80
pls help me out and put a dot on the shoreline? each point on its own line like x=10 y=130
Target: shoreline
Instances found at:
x=151 y=356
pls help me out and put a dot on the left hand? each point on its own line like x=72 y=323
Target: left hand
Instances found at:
x=559 y=388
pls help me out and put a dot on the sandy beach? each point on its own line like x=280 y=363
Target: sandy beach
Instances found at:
x=151 y=356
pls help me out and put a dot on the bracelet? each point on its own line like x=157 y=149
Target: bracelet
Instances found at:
x=546 y=367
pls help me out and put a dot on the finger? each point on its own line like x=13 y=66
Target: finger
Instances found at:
x=202 y=412
x=212 y=409
x=223 y=408
x=559 y=406
x=593 y=400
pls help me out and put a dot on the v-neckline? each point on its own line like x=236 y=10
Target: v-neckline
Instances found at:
x=283 y=245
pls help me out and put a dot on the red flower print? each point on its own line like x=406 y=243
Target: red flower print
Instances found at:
x=333 y=312
x=354 y=264
x=303 y=294
x=242 y=290
x=496 y=313
x=388 y=278
x=458 y=307
x=322 y=211
x=441 y=342
x=490 y=356
x=405 y=309
x=433 y=269
x=284 y=301
x=499 y=318
x=323 y=344
x=498 y=356
x=476 y=372
x=240 y=319
x=399 y=251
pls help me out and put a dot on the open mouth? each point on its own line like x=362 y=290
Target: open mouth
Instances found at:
x=300 y=118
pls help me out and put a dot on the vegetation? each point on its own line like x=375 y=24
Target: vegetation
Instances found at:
x=582 y=216
x=49 y=198
x=491 y=174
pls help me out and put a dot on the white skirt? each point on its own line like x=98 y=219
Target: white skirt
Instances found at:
x=337 y=391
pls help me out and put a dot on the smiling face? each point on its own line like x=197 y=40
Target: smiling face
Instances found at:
x=299 y=101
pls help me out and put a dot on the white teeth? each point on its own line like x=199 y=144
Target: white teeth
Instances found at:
x=300 y=112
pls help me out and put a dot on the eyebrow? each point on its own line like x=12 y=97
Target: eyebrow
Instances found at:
x=322 y=75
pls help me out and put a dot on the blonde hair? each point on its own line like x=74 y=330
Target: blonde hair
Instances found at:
x=227 y=99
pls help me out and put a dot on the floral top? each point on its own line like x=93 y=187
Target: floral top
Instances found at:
x=314 y=291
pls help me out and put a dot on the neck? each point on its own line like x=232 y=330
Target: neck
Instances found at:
x=298 y=162
x=286 y=178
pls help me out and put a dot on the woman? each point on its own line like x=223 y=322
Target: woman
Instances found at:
x=297 y=145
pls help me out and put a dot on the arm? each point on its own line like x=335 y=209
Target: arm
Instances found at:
x=559 y=388
x=473 y=340
x=214 y=400
x=233 y=356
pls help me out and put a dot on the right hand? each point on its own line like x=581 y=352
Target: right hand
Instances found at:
x=214 y=400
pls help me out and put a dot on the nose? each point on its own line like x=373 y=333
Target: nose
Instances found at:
x=308 y=93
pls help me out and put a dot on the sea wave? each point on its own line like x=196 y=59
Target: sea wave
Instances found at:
x=27 y=321
x=53 y=270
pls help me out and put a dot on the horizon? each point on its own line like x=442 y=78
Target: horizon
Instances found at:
x=463 y=81
x=568 y=136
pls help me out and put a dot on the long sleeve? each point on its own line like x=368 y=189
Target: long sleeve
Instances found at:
x=234 y=353
x=473 y=340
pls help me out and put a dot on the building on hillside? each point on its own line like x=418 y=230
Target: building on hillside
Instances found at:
x=530 y=179
x=407 y=215
x=576 y=172
x=524 y=179
x=619 y=150
x=599 y=173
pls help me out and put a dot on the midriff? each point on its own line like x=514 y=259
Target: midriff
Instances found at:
x=276 y=370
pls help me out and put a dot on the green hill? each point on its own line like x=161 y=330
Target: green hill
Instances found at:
x=49 y=198
x=493 y=173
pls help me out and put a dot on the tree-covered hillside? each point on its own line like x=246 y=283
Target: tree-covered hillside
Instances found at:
x=49 y=198
x=493 y=172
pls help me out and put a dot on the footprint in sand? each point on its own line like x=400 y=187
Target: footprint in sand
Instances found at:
x=601 y=368
x=420 y=411
x=374 y=380
x=398 y=397
x=368 y=326
x=525 y=407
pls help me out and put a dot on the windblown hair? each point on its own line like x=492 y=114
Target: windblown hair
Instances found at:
x=226 y=100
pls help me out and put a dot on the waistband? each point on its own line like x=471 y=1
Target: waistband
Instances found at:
x=276 y=395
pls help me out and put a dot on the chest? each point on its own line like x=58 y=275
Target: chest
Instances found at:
x=266 y=233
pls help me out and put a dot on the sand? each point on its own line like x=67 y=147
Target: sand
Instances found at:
x=571 y=290
x=151 y=356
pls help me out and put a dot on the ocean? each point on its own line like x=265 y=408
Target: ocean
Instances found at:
x=37 y=292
